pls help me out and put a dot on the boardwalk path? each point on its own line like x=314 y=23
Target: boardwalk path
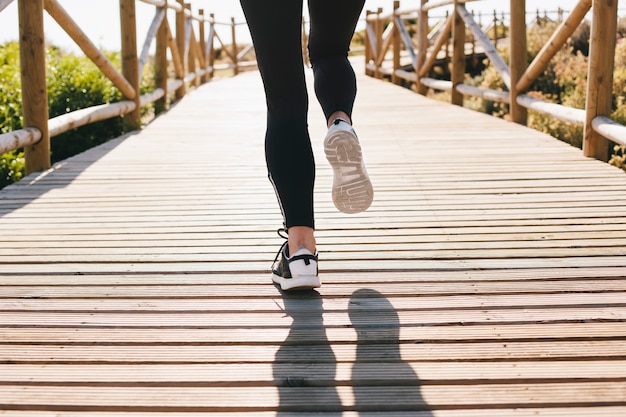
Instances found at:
x=488 y=276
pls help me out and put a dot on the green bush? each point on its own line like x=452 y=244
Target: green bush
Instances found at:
x=11 y=168
x=11 y=163
x=10 y=88
x=619 y=157
x=74 y=83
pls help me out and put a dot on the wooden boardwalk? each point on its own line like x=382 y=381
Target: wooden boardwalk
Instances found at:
x=487 y=279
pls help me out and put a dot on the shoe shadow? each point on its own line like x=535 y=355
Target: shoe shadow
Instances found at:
x=305 y=365
x=381 y=380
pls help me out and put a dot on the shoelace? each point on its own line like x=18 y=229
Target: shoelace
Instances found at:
x=282 y=232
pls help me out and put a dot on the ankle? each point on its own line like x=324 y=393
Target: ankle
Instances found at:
x=301 y=237
x=339 y=115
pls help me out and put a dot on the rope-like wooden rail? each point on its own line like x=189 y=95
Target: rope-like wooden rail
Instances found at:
x=191 y=52
x=517 y=75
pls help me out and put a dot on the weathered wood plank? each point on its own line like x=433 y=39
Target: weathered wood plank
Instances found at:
x=397 y=398
x=260 y=336
x=394 y=372
x=560 y=348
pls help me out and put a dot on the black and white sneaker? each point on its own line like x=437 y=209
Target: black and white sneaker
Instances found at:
x=295 y=272
x=352 y=189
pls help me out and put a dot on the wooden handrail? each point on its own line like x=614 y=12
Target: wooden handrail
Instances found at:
x=517 y=75
x=192 y=57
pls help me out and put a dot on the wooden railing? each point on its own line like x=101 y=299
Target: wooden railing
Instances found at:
x=423 y=48
x=190 y=42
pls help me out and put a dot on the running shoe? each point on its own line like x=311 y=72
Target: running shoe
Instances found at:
x=352 y=189
x=295 y=272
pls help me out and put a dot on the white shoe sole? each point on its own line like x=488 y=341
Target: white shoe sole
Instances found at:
x=352 y=189
x=305 y=282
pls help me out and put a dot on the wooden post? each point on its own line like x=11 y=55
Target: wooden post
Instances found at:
x=422 y=45
x=518 y=58
x=235 y=52
x=191 y=55
x=448 y=41
x=495 y=28
x=161 y=64
x=379 y=41
x=368 y=42
x=457 y=72
x=181 y=21
x=130 y=61
x=600 y=78
x=211 y=41
x=34 y=89
x=396 y=42
x=202 y=36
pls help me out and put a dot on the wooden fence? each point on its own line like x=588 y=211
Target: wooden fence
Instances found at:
x=388 y=34
x=190 y=41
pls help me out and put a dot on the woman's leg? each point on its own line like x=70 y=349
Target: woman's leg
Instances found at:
x=332 y=28
x=275 y=26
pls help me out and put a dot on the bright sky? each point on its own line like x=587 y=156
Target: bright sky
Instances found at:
x=99 y=19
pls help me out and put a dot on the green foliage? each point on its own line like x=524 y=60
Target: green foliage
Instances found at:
x=619 y=157
x=74 y=83
x=11 y=168
x=10 y=88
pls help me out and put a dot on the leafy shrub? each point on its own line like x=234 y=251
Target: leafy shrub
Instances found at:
x=619 y=157
x=10 y=88
x=11 y=163
x=11 y=168
x=73 y=83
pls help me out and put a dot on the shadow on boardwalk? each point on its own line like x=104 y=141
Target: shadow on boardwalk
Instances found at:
x=305 y=366
x=61 y=175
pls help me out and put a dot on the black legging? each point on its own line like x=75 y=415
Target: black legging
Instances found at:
x=276 y=27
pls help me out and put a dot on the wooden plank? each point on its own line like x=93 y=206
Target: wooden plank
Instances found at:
x=277 y=319
x=260 y=336
x=400 y=398
x=393 y=372
x=186 y=350
x=617 y=411
x=358 y=277
x=264 y=289
x=262 y=304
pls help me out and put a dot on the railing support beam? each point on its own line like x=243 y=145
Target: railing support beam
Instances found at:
x=130 y=62
x=518 y=61
x=181 y=21
x=233 y=28
x=422 y=44
x=161 y=64
x=34 y=89
x=396 y=42
x=457 y=73
x=600 y=79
